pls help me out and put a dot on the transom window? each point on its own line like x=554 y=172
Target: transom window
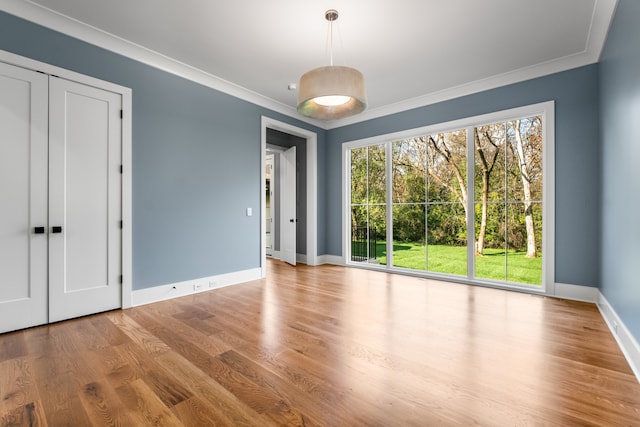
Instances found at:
x=470 y=199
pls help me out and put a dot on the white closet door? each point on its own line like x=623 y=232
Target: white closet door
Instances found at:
x=23 y=198
x=85 y=186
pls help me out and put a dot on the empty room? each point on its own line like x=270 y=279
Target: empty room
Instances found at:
x=414 y=213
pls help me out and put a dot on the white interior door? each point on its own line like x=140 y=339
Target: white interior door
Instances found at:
x=288 y=220
x=23 y=198
x=85 y=185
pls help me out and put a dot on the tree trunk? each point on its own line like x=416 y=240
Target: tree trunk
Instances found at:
x=483 y=215
x=526 y=186
x=487 y=167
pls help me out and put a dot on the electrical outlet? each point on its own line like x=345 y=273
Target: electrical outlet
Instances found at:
x=212 y=283
x=615 y=327
x=197 y=286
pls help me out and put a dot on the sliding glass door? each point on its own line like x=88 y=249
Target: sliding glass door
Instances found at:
x=467 y=202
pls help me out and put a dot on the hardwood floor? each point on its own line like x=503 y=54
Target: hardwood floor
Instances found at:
x=324 y=346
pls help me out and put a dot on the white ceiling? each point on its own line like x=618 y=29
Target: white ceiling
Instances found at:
x=412 y=52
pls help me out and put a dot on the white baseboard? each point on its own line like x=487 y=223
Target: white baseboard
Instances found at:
x=626 y=341
x=188 y=287
x=301 y=258
x=576 y=292
x=330 y=259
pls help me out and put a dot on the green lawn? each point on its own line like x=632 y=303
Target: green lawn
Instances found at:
x=453 y=260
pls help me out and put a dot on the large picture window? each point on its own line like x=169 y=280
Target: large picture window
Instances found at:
x=470 y=199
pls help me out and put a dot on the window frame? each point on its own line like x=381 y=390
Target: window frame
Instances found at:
x=544 y=109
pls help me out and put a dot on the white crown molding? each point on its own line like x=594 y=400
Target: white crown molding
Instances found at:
x=523 y=74
x=600 y=22
x=603 y=13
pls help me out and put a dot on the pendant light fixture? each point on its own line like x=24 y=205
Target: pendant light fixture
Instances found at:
x=331 y=92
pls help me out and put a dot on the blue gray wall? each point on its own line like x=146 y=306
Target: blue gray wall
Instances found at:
x=196 y=160
x=620 y=95
x=577 y=157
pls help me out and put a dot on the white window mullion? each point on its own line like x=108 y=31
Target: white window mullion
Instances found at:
x=346 y=205
x=506 y=201
x=471 y=195
x=426 y=203
x=548 y=200
x=347 y=233
x=368 y=205
x=389 y=199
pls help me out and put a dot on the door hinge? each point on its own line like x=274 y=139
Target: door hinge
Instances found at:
x=120 y=279
x=121 y=114
x=121 y=224
x=121 y=169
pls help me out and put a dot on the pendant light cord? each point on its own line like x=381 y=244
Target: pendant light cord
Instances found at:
x=331 y=43
x=331 y=15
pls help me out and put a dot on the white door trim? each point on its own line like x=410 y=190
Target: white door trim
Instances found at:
x=127 y=268
x=312 y=187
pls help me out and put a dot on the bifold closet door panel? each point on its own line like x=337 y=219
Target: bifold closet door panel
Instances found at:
x=85 y=185
x=23 y=198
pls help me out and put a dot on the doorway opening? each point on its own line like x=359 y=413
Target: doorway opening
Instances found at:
x=285 y=214
x=277 y=137
x=270 y=208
